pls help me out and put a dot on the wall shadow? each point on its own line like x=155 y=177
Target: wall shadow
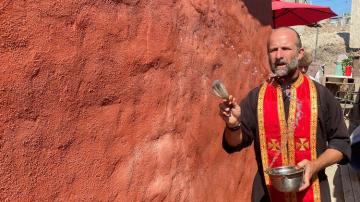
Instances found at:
x=261 y=10
x=346 y=38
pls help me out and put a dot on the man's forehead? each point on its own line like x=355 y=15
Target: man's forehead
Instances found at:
x=284 y=31
x=283 y=35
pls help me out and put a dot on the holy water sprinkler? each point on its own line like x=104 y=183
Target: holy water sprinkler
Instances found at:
x=220 y=90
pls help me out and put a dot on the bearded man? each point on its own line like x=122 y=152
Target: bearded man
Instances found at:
x=291 y=117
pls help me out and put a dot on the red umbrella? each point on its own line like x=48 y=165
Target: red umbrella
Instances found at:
x=290 y=14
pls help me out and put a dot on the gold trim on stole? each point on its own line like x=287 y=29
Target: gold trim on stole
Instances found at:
x=283 y=127
x=299 y=81
x=264 y=156
x=292 y=125
x=313 y=128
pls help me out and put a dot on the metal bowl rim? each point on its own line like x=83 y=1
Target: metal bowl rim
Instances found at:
x=297 y=171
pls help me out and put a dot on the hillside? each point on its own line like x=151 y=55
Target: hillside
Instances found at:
x=332 y=41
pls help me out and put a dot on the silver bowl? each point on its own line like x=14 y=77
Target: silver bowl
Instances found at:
x=286 y=178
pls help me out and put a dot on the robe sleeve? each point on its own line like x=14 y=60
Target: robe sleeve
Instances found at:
x=336 y=130
x=248 y=122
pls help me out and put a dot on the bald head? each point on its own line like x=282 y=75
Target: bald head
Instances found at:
x=290 y=32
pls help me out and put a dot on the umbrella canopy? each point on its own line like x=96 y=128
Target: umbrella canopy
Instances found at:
x=290 y=14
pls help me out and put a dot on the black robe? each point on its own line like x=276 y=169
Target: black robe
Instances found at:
x=331 y=133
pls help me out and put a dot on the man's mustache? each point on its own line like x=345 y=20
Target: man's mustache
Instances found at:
x=280 y=62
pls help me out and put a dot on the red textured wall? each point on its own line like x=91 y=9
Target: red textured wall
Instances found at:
x=110 y=100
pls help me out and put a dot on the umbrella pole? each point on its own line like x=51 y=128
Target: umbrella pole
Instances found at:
x=316 y=42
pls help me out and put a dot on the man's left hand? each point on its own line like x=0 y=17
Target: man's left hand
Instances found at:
x=310 y=169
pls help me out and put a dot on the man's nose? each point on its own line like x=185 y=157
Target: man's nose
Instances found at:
x=279 y=54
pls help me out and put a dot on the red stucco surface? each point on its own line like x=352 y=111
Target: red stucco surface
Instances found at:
x=110 y=100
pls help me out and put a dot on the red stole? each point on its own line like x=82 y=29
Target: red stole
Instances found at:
x=300 y=129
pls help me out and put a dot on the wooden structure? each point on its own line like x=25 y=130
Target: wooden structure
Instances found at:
x=345 y=88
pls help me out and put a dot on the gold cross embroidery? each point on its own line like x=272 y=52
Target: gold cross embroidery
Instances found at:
x=273 y=145
x=302 y=145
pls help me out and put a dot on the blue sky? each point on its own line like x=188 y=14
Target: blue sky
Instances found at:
x=338 y=6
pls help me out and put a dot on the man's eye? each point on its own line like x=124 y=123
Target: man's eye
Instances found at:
x=272 y=50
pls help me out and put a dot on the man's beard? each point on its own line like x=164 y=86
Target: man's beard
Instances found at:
x=293 y=65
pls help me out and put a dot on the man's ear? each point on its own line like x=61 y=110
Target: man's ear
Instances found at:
x=300 y=53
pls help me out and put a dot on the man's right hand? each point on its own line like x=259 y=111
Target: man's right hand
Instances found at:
x=230 y=111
